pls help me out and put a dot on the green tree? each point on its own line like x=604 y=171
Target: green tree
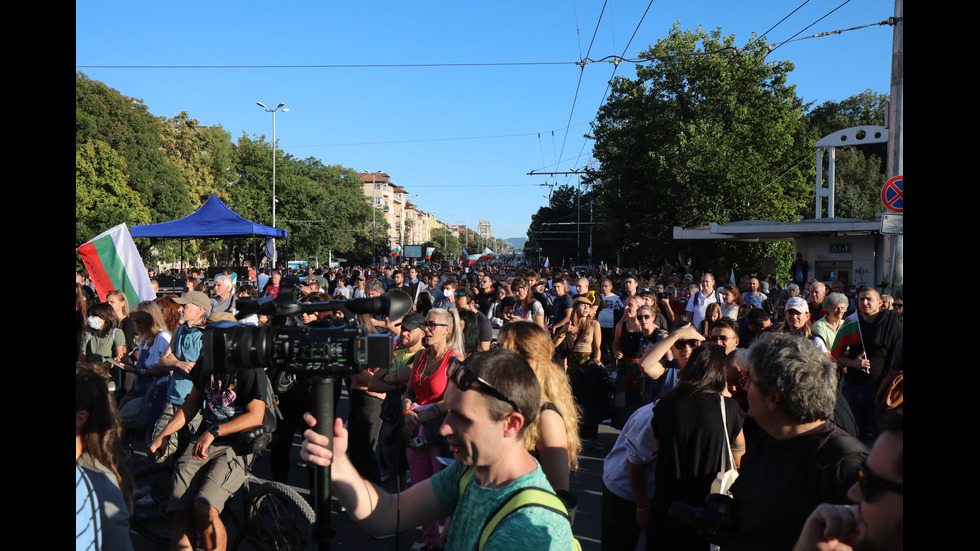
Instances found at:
x=704 y=133
x=860 y=171
x=204 y=157
x=126 y=125
x=102 y=199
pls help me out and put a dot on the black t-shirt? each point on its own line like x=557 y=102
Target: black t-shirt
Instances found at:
x=780 y=483
x=484 y=300
x=880 y=337
x=228 y=396
x=486 y=328
x=562 y=305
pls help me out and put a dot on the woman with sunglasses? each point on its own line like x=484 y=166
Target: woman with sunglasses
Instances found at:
x=422 y=404
x=664 y=361
x=632 y=334
x=553 y=438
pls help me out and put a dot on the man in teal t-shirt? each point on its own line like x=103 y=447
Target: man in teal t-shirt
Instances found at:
x=491 y=399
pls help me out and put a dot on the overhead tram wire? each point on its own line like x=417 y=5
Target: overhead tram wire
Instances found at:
x=763 y=35
x=825 y=34
x=616 y=68
x=771 y=50
x=581 y=74
x=335 y=66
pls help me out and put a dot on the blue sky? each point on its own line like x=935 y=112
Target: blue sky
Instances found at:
x=462 y=138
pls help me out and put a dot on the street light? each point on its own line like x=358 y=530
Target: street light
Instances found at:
x=273 y=111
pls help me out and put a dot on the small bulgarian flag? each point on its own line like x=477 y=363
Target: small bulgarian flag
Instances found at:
x=396 y=252
x=428 y=252
x=849 y=334
x=547 y=264
x=113 y=263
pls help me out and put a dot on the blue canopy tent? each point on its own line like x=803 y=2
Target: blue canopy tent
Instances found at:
x=213 y=219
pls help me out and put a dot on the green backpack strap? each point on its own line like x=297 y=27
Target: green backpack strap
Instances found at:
x=465 y=480
x=525 y=497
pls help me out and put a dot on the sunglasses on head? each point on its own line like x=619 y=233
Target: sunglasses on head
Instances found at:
x=873 y=485
x=464 y=379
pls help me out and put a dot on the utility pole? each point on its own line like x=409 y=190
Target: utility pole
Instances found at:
x=894 y=244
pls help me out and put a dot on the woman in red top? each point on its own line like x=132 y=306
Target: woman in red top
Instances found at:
x=422 y=403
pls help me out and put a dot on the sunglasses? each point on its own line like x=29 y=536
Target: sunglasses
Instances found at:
x=873 y=485
x=692 y=343
x=432 y=324
x=645 y=317
x=464 y=379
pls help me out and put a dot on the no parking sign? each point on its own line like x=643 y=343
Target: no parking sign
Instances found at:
x=891 y=194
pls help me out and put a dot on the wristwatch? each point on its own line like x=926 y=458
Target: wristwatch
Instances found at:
x=213 y=429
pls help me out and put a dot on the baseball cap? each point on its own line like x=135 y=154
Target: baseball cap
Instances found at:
x=413 y=321
x=197 y=298
x=798 y=304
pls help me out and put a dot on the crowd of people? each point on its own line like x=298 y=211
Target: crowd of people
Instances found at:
x=778 y=384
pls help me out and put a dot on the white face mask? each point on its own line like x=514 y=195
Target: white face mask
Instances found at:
x=95 y=323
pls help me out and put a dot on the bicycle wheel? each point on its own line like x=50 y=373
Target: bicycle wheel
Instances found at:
x=149 y=517
x=279 y=519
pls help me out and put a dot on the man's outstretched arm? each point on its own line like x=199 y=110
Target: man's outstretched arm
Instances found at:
x=373 y=508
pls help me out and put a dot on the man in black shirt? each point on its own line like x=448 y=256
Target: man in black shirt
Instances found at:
x=800 y=458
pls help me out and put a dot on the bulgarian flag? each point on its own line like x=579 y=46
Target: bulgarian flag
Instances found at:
x=113 y=263
x=428 y=252
x=470 y=258
x=487 y=254
x=849 y=334
x=396 y=252
x=547 y=263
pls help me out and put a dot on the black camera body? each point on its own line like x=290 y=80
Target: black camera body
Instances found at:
x=331 y=351
x=713 y=521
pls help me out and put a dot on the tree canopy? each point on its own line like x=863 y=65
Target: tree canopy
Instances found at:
x=706 y=132
x=133 y=167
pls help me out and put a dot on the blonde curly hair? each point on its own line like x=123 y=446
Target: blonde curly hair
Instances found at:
x=534 y=345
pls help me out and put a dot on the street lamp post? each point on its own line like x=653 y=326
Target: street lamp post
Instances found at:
x=273 y=111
